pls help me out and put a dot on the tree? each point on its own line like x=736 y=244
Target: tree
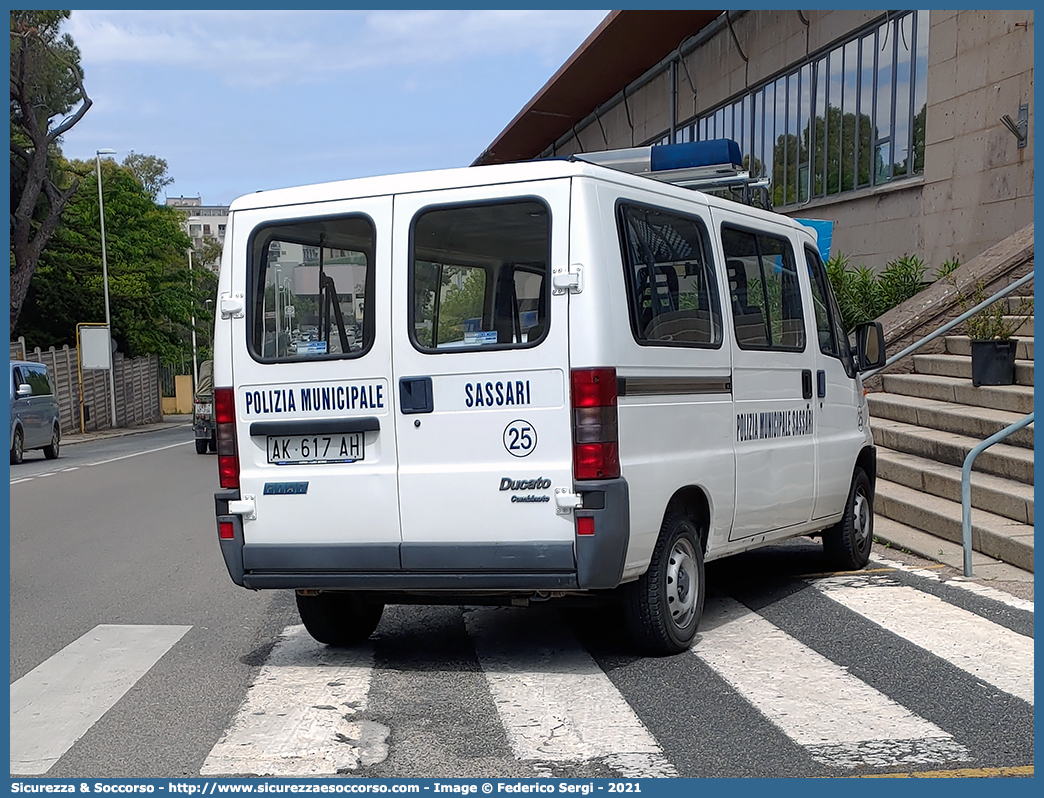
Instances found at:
x=150 y=171
x=46 y=85
x=152 y=295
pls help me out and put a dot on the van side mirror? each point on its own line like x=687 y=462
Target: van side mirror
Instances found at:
x=25 y=389
x=870 y=346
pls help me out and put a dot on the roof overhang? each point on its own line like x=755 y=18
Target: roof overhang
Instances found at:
x=620 y=50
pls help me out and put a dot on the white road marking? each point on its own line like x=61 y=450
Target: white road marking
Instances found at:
x=55 y=704
x=555 y=702
x=139 y=454
x=100 y=462
x=298 y=717
x=840 y=720
x=988 y=651
x=972 y=587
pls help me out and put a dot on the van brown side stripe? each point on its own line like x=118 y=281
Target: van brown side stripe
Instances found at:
x=672 y=386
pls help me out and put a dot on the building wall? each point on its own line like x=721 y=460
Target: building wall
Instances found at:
x=977 y=186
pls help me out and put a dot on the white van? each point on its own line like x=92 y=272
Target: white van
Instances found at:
x=520 y=382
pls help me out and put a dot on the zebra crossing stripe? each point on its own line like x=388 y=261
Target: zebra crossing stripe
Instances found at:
x=978 y=589
x=840 y=720
x=298 y=718
x=555 y=702
x=986 y=650
x=55 y=704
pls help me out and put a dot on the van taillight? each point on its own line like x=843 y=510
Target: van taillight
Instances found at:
x=228 y=454
x=596 y=451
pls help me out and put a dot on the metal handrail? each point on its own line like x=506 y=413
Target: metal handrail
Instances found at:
x=977 y=450
x=951 y=324
x=966 y=485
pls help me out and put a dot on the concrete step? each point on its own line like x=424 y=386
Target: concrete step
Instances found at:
x=1013 y=398
x=1003 y=497
x=961 y=345
x=1017 y=304
x=1023 y=325
x=891 y=536
x=958 y=366
x=993 y=535
x=1001 y=459
x=975 y=422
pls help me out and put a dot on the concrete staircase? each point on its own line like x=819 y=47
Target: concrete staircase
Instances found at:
x=924 y=425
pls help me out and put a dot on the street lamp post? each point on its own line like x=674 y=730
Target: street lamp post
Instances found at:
x=195 y=368
x=105 y=283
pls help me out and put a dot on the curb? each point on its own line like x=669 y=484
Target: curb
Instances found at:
x=169 y=422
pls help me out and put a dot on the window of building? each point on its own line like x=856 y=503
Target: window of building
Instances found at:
x=480 y=276
x=849 y=118
x=670 y=276
x=764 y=289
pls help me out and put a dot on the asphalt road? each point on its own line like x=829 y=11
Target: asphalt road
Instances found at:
x=121 y=532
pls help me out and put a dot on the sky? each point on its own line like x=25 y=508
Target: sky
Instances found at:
x=242 y=101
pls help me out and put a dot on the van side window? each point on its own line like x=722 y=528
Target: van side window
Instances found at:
x=832 y=338
x=672 y=289
x=311 y=288
x=479 y=276
x=765 y=292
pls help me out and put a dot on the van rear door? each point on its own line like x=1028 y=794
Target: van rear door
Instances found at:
x=482 y=373
x=313 y=398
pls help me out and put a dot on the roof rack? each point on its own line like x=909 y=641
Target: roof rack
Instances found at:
x=713 y=166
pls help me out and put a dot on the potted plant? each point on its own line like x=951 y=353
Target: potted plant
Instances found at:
x=991 y=331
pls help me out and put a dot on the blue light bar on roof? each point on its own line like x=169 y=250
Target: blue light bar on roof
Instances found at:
x=693 y=154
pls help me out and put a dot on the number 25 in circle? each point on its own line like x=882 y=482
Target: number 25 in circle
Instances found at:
x=520 y=439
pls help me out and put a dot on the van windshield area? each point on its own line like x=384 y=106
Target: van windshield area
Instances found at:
x=311 y=286
x=479 y=276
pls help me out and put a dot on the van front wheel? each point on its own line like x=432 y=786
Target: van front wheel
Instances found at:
x=847 y=543
x=664 y=606
x=338 y=619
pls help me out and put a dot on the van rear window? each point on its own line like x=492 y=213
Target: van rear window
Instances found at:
x=479 y=276
x=311 y=284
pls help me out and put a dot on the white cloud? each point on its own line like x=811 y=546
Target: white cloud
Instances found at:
x=279 y=47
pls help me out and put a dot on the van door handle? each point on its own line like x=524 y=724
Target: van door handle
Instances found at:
x=415 y=395
x=821 y=383
x=806 y=384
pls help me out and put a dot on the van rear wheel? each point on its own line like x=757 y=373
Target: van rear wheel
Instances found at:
x=201 y=445
x=51 y=450
x=663 y=608
x=17 y=452
x=338 y=619
x=847 y=544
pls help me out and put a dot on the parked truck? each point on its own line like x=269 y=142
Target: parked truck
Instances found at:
x=203 y=426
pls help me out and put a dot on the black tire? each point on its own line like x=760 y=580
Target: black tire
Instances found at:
x=17 y=452
x=201 y=445
x=847 y=544
x=663 y=608
x=213 y=444
x=52 y=450
x=338 y=619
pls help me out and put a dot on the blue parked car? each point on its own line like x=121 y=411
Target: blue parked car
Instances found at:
x=35 y=419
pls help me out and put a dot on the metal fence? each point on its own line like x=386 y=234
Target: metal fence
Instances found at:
x=137 y=383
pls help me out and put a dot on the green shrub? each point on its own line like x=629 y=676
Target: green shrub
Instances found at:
x=864 y=295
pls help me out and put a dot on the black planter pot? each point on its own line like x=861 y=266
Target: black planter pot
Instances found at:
x=993 y=362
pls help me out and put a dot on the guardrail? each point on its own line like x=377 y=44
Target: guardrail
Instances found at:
x=966 y=529
x=951 y=324
x=977 y=450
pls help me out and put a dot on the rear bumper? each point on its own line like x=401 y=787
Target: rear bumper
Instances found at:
x=589 y=562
